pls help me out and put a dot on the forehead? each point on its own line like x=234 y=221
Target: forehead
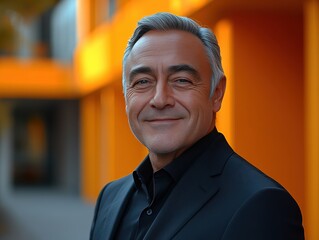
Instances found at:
x=168 y=47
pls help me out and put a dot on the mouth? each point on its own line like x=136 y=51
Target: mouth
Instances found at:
x=162 y=119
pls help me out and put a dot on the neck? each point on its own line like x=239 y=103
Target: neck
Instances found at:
x=159 y=161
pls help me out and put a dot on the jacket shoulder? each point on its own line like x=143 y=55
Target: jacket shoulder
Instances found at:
x=264 y=208
x=270 y=213
x=244 y=174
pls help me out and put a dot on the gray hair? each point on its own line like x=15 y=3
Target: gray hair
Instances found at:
x=168 y=21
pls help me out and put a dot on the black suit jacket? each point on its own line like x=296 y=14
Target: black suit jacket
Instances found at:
x=221 y=196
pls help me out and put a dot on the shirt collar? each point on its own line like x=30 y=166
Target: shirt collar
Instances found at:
x=144 y=172
x=180 y=165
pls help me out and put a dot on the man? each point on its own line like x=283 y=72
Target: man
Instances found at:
x=192 y=185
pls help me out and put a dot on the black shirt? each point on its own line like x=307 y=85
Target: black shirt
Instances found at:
x=152 y=189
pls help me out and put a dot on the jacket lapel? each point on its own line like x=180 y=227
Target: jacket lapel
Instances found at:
x=198 y=185
x=114 y=208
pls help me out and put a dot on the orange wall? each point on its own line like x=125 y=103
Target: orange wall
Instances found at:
x=269 y=97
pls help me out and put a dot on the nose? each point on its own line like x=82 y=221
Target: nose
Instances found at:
x=163 y=96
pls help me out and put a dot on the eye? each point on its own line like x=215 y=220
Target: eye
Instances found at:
x=142 y=83
x=183 y=80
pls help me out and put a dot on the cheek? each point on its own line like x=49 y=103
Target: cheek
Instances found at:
x=202 y=112
x=129 y=105
x=130 y=110
x=134 y=105
x=196 y=102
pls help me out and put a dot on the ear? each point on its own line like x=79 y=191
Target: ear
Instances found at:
x=219 y=94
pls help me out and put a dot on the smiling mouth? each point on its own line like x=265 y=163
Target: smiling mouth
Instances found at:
x=163 y=120
x=162 y=123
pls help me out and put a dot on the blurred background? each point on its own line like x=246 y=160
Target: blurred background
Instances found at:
x=63 y=128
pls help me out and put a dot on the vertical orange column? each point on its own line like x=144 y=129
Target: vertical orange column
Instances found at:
x=108 y=134
x=83 y=23
x=225 y=118
x=85 y=18
x=90 y=146
x=311 y=13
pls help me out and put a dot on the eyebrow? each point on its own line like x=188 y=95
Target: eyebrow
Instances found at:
x=138 y=70
x=183 y=68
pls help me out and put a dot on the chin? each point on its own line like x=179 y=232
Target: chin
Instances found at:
x=166 y=149
x=162 y=150
x=163 y=144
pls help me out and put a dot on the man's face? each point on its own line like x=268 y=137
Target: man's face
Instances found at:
x=168 y=103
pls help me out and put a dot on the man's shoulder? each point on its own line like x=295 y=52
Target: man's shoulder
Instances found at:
x=246 y=176
x=235 y=168
x=254 y=194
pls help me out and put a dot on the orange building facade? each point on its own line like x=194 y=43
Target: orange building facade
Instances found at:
x=270 y=115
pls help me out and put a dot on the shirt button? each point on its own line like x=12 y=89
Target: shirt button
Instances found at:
x=149 y=212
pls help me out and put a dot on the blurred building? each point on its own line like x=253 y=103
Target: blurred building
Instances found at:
x=62 y=112
x=39 y=111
